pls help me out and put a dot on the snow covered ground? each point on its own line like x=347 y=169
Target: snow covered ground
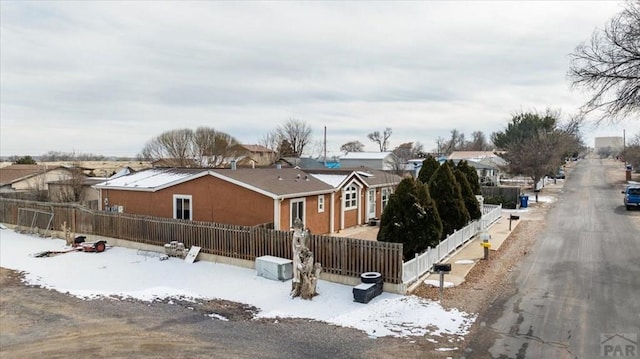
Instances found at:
x=127 y=273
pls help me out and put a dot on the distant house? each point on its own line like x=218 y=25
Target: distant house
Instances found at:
x=25 y=178
x=257 y=156
x=385 y=161
x=488 y=164
x=477 y=156
x=64 y=191
x=615 y=143
x=306 y=163
x=250 y=196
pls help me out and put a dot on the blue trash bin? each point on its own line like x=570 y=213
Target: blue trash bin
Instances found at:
x=524 y=201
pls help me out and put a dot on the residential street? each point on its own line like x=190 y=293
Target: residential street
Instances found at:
x=581 y=284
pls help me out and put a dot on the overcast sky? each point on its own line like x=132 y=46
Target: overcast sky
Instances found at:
x=105 y=77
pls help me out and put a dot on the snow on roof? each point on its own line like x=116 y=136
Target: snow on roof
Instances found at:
x=365 y=174
x=122 y=172
x=151 y=178
x=365 y=155
x=333 y=180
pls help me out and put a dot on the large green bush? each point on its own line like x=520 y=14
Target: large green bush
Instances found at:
x=411 y=218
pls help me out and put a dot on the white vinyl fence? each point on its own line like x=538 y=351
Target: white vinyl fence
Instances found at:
x=422 y=263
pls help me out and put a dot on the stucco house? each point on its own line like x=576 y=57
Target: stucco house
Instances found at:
x=26 y=178
x=257 y=155
x=248 y=196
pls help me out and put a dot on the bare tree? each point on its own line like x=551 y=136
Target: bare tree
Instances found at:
x=455 y=143
x=297 y=133
x=441 y=143
x=405 y=152
x=214 y=148
x=382 y=139
x=270 y=140
x=478 y=142
x=609 y=66
x=408 y=150
x=174 y=144
x=205 y=146
x=352 y=146
x=72 y=187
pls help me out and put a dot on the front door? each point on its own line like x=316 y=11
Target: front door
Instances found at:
x=371 y=203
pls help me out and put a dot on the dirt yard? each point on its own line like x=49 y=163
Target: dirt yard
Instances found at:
x=36 y=322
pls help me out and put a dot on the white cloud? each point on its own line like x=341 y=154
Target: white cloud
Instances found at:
x=123 y=72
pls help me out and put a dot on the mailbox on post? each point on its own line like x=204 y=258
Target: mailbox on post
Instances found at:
x=513 y=217
x=442 y=267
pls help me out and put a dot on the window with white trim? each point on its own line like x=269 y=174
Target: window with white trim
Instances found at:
x=386 y=192
x=351 y=197
x=182 y=206
x=321 y=203
x=297 y=210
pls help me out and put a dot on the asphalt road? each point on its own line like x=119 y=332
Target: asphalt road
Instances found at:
x=578 y=294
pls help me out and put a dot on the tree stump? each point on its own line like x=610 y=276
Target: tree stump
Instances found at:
x=305 y=271
x=67 y=234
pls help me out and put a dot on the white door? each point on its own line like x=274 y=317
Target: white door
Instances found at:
x=371 y=203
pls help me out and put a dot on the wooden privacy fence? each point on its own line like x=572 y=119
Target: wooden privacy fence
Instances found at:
x=338 y=255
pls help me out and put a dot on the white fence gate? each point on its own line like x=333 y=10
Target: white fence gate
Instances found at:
x=422 y=263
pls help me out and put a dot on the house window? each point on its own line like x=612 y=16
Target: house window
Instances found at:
x=297 y=210
x=351 y=197
x=182 y=206
x=321 y=203
x=386 y=192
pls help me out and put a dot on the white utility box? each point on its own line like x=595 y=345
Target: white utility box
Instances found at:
x=275 y=268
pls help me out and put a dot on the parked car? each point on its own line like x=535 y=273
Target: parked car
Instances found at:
x=631 y=197
x=560 y=174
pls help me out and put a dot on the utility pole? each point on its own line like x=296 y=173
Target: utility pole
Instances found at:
x=325 y=146
x=624 y=147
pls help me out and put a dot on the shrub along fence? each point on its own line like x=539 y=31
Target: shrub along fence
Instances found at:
x=423 y=263
x=338 y=255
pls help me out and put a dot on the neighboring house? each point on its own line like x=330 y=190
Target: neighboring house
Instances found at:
x=487 y=175
x=63 y=191
x=25 y=178
x=257 y=156
x=488 y=164
x=476 y=156
x=385 y=161
x=249 y=197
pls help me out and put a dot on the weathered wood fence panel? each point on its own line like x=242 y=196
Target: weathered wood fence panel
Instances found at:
x=338 y=255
